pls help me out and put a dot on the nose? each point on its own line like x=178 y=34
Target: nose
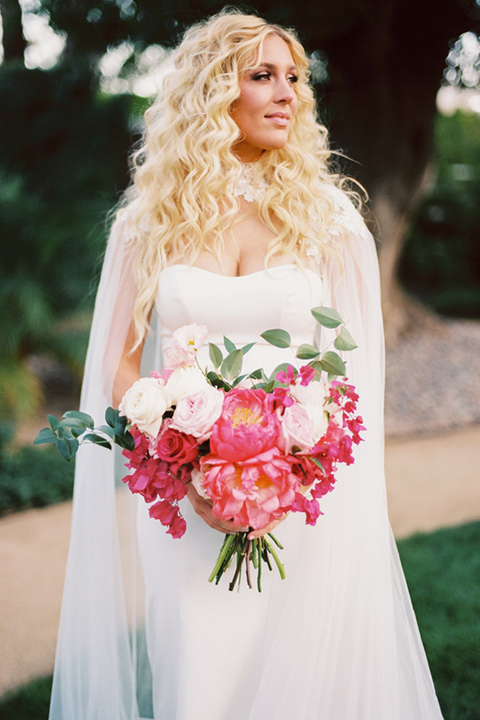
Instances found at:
x=285 y=91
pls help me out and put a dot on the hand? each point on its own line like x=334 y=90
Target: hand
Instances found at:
x=267 y=529
x=204 y=508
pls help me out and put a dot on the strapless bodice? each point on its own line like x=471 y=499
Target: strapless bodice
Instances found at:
x=241 y=307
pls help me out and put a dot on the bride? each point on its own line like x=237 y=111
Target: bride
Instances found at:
x=235 y=221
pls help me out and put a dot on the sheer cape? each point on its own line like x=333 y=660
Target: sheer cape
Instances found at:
x=355 y=653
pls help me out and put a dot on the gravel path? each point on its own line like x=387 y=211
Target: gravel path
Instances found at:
x=433 y=380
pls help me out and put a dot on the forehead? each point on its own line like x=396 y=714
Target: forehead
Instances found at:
x=275 y=51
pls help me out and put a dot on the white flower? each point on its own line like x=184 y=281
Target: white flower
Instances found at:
x=185 y=344
x=312 y=397
x=297 y=428
x=145 y=404
x=185 y=381
x=196 y=414
x=197 y=479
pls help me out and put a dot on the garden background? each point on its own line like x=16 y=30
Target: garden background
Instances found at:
x=398 y=87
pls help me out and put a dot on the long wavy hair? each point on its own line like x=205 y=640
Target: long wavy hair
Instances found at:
x=181 y=199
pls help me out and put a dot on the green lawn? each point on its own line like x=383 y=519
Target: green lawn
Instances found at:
x=443 y=573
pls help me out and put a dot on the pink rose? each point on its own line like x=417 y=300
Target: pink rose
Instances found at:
x=297 y=428
x=176 y=448
x=247 y=426
x=196 y=414
x=185 y=344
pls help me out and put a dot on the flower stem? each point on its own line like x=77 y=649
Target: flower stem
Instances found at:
x=271 y=550
x=223 y=553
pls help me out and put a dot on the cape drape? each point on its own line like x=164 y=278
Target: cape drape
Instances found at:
x=356 y=654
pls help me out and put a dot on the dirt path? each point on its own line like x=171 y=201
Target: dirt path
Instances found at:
x=432 y=482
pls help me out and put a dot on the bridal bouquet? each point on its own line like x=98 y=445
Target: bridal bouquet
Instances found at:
x=255 y=446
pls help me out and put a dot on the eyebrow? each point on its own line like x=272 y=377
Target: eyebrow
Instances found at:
x=270 y=66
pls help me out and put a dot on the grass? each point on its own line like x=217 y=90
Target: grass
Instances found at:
x=443 y=573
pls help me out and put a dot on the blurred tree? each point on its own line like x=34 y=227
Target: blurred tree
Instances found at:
x=63 y=151
x=13 y=40
x=384 y=59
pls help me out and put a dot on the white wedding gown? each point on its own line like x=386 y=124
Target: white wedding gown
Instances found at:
x=337 y=639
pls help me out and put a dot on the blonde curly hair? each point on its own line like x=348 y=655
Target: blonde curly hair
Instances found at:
x=181 y=199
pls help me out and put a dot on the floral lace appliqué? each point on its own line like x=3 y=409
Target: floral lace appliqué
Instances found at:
x=245 y=186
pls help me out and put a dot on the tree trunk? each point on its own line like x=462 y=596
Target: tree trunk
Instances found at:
x=14 y=42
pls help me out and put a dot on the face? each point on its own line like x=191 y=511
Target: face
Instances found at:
x=268 y=102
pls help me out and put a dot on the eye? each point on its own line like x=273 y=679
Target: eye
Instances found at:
x=293 y=79
x=261 y=76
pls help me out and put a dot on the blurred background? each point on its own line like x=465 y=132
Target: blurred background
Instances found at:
x=398 y=85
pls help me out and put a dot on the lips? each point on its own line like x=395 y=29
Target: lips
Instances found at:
x=279 y=118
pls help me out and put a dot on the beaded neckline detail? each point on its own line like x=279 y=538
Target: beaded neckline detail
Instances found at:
x=245 y=186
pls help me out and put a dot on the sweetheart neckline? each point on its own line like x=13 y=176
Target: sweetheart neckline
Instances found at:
x=246 y=275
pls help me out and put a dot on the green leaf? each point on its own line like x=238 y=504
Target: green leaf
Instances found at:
x=269 y=386
x=257 y=375
x=333 y=364
x=215 y=355
x=64 y=431
x=229 y=346
x=318 y=463
x=326 y=316
x=125 y=440
x=53 y=421
x=217 y=381
x=239 y=379
x=246 y=348
x=317 y=365
x=67 y=447
x=107 y=430
x=307 y=352
x=232 y=364
x=46 y=435
x=77 y=415
x=111 y=416
x=97 y=440
x=344 y=340
x=278 y=337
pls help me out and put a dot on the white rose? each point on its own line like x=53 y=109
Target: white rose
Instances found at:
x=185 y=344
x=312 y=397
x=196 y=414
x=197 y=479
x=185 y=381
x=145 y=404
x=297 y=428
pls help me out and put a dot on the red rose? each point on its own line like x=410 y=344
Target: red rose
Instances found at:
x=176 y=448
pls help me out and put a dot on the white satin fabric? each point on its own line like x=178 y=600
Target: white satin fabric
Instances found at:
x=336 y=640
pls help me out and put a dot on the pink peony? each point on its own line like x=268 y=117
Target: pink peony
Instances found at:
x=247 y=427
x=253 y=492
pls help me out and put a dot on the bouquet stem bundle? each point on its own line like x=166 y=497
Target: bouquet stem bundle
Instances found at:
x=247 y=553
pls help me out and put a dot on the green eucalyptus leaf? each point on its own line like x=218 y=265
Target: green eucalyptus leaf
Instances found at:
x=278 y=337
x=111 y=415
x=318 y=464
x=246 y=348
x=97 y=440
x=257 y=374
x=307 y=352
x=215 y=355
x=53 y=421
x=217 y=381
x=64 y=431
x=239 y=379
x=107 y=430
x=326 y=316
x=46 y=435
x=269 y=386
x=317 y=365
x=78 y=415
x=125 y=441
x=333 y=364
x=229 y=346
x=67 y=447
x=232 y=364
x=344 y=340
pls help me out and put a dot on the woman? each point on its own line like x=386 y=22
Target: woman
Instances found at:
x=234 y=221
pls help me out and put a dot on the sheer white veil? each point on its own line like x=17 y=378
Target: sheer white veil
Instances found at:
x=356 y=613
